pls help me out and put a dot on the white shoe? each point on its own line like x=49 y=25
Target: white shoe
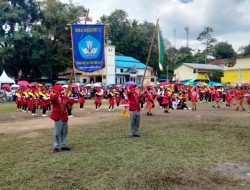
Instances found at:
x=44 y=115
x=33 y=114
x=80 y=109
x=109 y=109
x=71 y=116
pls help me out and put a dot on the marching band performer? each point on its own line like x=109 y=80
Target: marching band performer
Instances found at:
x=97 y=99
x=111 y=97
x=59 y=115
x=81 y=100
x=194 y=98
x=125 y=105
x=239 y=96
x=149 y=100
x=117 y=97
x=134 y=108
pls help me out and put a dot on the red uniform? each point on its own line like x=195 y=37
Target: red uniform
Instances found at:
x=248 y=97
x=229 y=98
x=133 y=100
x=111 y=99
x=149 y=100
x=81 y=100
x=117 y=98
x=165 y=98
x=97 y=100
x=216 y=96
x=59 y=110
x=194 y=96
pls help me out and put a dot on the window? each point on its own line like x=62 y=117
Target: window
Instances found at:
x=152 y=80
x=121 y=70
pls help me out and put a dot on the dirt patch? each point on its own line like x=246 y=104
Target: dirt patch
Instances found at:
x=22 y=123
x=25 y=125
x=238 y=170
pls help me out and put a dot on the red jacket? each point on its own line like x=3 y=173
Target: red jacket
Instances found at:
x=59 y=107
x=133 y=100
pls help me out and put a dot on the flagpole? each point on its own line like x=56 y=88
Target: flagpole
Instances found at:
x=149 y=53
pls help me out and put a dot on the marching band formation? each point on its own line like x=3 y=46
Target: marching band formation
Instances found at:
x=170 y=97
x=132 y=98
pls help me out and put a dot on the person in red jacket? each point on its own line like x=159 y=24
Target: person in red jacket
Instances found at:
x=228 y=98
x=149 y=101
x=248 y=98
x=81 y=100
x=69 y=105
x=216 y=96
x=194 y=98
x=239 y=95
x=134 y=108
x=111 y=97
x=117 y=97
x=60 y=116
x=97 y=98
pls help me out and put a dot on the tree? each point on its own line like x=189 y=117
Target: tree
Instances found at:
x=16 y=19
x=52 y=45
x=35 y=37
x=207 y=40
x=245 y=50
x=199 y=57
x=130 y=37
x=223 y=50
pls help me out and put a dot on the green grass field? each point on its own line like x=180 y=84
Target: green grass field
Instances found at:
x=7 y=107
x=175 y=151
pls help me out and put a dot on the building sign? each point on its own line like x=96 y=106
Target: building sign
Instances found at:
x=88 y=47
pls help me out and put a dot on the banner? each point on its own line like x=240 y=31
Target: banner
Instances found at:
x=160 y=49
x=88 y=47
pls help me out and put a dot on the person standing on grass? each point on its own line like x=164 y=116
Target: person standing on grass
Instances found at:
x=134 y=108
x=81 y=100
x=60 y=116
x=149 y=100
x=239 y=96
x=194 y=98
x=111 y=97
x=228 y=98
x=216 y=96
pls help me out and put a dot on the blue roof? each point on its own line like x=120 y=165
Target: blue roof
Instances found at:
x=128 y=62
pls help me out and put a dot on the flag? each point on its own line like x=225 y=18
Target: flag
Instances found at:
x=88 y=47
x=160 y=49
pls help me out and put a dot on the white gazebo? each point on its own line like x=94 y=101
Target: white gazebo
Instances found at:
x=4 y=79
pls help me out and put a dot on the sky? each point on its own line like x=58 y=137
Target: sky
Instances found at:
x=230 y=19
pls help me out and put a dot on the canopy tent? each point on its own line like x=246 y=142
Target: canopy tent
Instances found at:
x=4 y=79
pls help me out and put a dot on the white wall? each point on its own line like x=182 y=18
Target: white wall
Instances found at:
x=184 y=72
x=110 y=64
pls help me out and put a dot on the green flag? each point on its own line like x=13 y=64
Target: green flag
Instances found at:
x=160 y=49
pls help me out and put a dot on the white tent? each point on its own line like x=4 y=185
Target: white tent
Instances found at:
x=5 y=79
